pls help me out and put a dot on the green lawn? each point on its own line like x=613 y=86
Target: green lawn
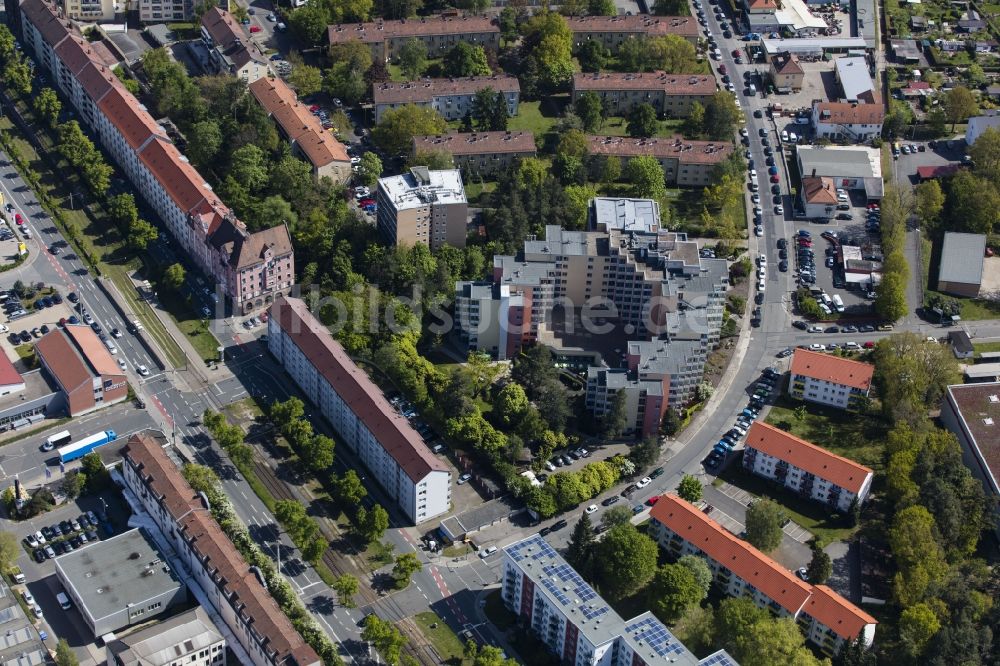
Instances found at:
x=845 y=433
x=191 y=324
x=538 y=117
x=445 y=641
x=618 y=126
x=474 y=191
x=25 y=351
x=984 y=347
x=973 y=309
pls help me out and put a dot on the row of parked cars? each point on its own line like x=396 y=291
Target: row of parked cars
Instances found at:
x=66 y=536
x=762 y=390
x=14 y=307
x=567 y=458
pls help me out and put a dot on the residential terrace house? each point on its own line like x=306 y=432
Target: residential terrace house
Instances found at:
x=670 y=94
x=452 y=98
x=829 y=380
x=611 y=31
x=438 y=33
x=479 y=154
x=230 y=49
x=686 y=163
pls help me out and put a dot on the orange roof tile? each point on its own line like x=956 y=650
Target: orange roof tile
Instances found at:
x=131 y=118
x=818 y=365
x=645 y=24
x=181 y=181
x=807 y=456
x=837 y=613
x=685 y=151
x=93 y=350
x=97 y=81
x=727 y=549
x=845 y=113
x=669 y=84
x=819 y=190
x=379 y=31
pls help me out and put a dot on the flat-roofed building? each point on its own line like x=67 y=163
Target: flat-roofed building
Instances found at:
x=829 y=380
x=850 y=167
x=439 y=34
x=479 y=154
x=119 y=582
x=855 y=81
x=230 y=49
x=612 y=31
x=82 y=367
x=670 y=94
x=786 y=72
x=327 y=156
x=848 y=121
x=607 y=213
x=740 y=570
x=424 y=206
x=804 y=468
x=227 y=581
x=382 y=438
x=685 y=162
x=452 y=98
x=960 y=270
x=972 y=413
x=190 y=638
x=576 y=624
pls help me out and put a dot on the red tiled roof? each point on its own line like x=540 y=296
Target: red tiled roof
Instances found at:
x=9 y=376
x=93 y=350
x=938 y=171
x=819 y=190
x=379 y=31
x=786 y=63
x=733 y=553
x=837 y=613
x=685 y=151
x=43 y=16
x=245 y=249
x=845 y=113
x=131 y=119
x=478 y=143
x=645 y=24
x=426 y=90
x=298 y=123
x=161 y=476
x=357 y=391
x=181 y=181
x=807 y=456
x=222 y=27
x=828 y=367
x=62 y=360
x=97 y=81
x=670 y=84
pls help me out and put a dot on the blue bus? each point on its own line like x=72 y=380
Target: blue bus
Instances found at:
x=84 y=446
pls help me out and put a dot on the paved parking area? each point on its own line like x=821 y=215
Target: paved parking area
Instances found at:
x=940 y=155
x=34 y=319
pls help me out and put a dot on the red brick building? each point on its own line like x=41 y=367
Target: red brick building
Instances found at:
x=83 y=369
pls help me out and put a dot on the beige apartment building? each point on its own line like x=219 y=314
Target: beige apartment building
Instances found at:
x=90 y=11
x=452 y=98
x=423 y=206
x=159 y=11
x=480 y=154
x=670 y=94
x=613 y=30
x=786 y=72
x=685 y=162
x=438 y=33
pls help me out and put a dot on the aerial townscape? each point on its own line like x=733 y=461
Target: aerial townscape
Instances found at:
x=588 y=332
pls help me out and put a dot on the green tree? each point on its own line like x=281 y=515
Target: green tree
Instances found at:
x=7 y=43
x=65 y=655
x=855 y=653
x=929 y=202
x=890 y=297
x=122 y=210
x=398 y=127
x=721 y=116
x=616 y=515
x=204 y=141
x=936 y=121
x=306 y=79
x=346 y=82
x=173 y=277
x=371 y=525
x=671 y=424
x=346 y=586
x=699 y=569
x=17 y=75
x=405 y=566
x=920 y=559
x=625 y=561
x=489 y=111
x=959 y=105
x=647 y=178
x=248 y=165
x=385 y=637
x=548 y=42
x=48 y=106
x=820 y=567
x=611 y=169
x=97 y=475
x=696 y=629
x=10 y=549
x=601 y=8
x=670 y=53
x=318 y=452
x=917 y=625
x=985 y=154
x=670 y=8
x=433 y=159
x=73 y=483
x=646 y=453
x=412 y=58
x=590 y=109
x=581 y=547
x=593 y=56
x=370 y=168
x=689 y=488
x=642 y=121
x=672 y=591
x=200 y=477
x=309 y=23
x=465 y=59
x=764 y=520
x=614 y=421
x=349 y=490
x=973 y=203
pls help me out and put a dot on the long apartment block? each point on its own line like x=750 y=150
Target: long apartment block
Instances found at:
x=231 y=585
x=671 y=95
x=576 y=624
x=612 y=31
x=452 y=98
x=438 y=33
x=740 y=570
x=685 y=162
x=806 y=469
x=829 y=380
x=251 y=269
x=382 y=438
x=479 y=154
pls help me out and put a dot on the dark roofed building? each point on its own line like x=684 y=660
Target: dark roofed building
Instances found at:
x=972 y=412
x=479 y=153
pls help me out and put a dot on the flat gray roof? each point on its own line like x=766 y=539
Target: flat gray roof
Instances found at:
x=626 y=214
x=842 y=161
x=814 y=44
x=109 y=575
x=855 y=80
x=163 y=642
x=962 y=258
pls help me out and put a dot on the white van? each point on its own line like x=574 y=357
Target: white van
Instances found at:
x=110 y=344
x=63 y=600
x=753 y=89
x=838 y=303
x=716 y=53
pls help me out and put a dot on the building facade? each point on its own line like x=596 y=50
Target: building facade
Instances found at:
x=806 y=469
x=232 y=587
x=321 y=149
x=382 y=438
x=479 y=154
x=829 y=380
x=612 y=31
x=159 y=11
x=82 y=367
x=423 y=207
x=439 y=34
x=672 y=95
x=250 y=269
x=740 y=570
x=685 y=162
x=786 y=72
x=452 y=98
x=90 y=11
x=551 y=599
x=230 y=49
x=190 y=638
x=845 y=121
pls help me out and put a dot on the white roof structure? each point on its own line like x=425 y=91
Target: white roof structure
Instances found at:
x=422 y=186
x=625 y=214
x=979 y=124
x=814 y=45
x=844 y=162
x=854 y=78
x=796 y=15
x=962 y=258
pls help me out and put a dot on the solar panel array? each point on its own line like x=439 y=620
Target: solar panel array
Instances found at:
x=580 y=590
x=540 y=549
x=720 y=658
x=653 y=633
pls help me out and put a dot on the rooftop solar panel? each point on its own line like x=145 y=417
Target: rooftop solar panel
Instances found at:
x=654 y=634
x=720 y=658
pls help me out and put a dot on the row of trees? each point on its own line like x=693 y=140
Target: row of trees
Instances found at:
x=890 y=293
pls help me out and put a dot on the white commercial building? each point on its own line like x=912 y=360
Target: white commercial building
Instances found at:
x=855 y=80
x=850 y=167
x=424 y=207
x=381 y=437
x=804 y=468
x=569 y=617
x=190 y=638
x=829 y=380
x=740 y=570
